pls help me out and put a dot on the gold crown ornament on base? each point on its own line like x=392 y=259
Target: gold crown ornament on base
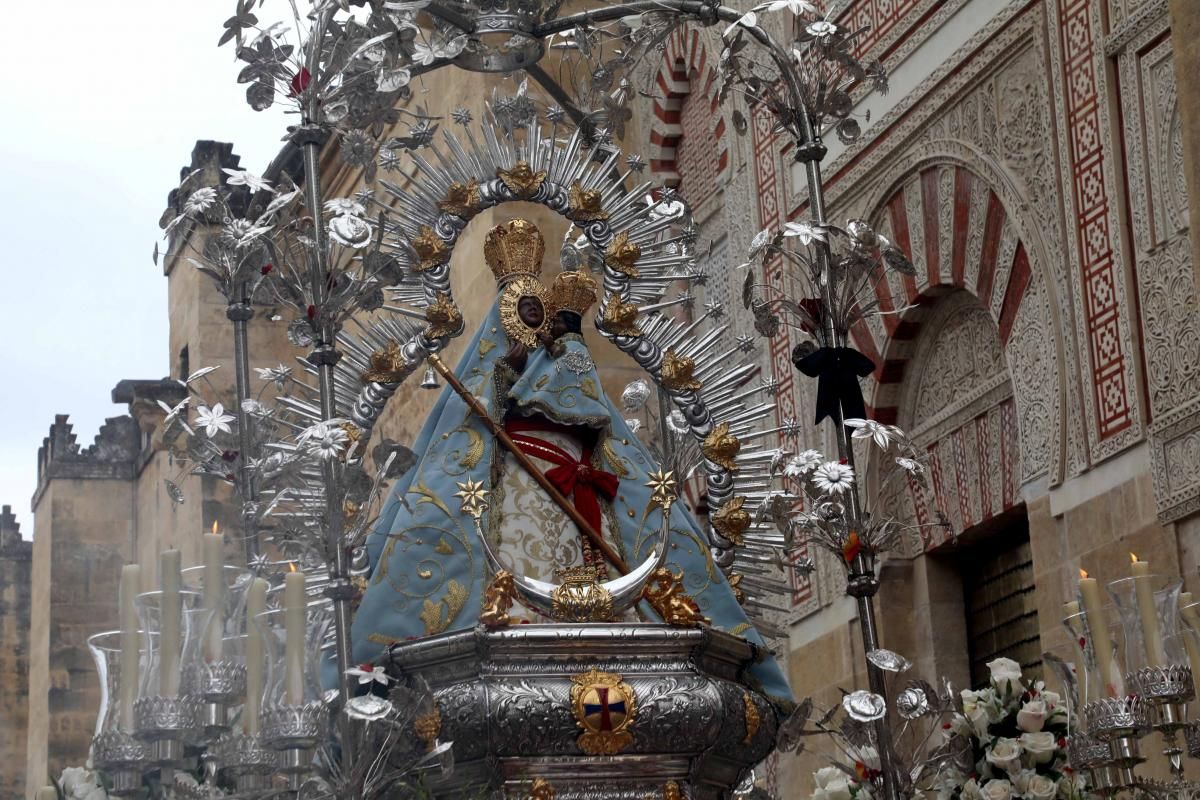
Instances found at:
x=573 y=291
x=514 y=249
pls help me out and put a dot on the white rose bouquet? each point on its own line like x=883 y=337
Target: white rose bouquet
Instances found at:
x=1013 y=740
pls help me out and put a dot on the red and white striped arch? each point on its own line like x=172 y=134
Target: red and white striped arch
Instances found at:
x=687 y=102
x=959 y=236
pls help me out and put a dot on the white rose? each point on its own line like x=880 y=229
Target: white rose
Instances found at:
x=1006 y=672
x=1004 y=754
x=1032 y=716
x=1041 y=788
x=1069 y=787
x=971 y=790
x=837 y=789
x=1020 y=780
x=979 y=721
x=1052 y=699
x=970 y=699
x=1041 y=745
x=74 y=776
x=826 y=774
x=997 y=790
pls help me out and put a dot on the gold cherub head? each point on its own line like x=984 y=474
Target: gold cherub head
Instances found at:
x=514 y=249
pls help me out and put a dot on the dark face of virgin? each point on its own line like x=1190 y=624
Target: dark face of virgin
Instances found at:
x=529 y=309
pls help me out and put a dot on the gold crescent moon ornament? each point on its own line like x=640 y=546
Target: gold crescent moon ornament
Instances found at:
x=510 y=298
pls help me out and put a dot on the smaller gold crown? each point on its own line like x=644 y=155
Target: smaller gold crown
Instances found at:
x=573 y=291
x=514 y=249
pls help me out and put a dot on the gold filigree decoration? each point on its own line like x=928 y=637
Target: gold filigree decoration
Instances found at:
x=521 y=180
x=588 y=387
x=580 y=597
x=662 y=489
x=438 y=616
x=387 y=366
x=474 y=453
x=622 y=255
x=677 y=373
x=428 y=726
x=430 y=249
x=443 y=317
x=616 y=464
x=350 y=510
x=721 y=447
x=732 y=520
x=517 y=330
x=735 y=583
x=379 y=638
x=573 y=291
x=498 y=600
x=485 y=347
x=620 y=319
x=671 y=791
x=462 y=199
x=753 y=717
x=443 y=547
x=541 y=789
x=585 y=205
x=424 y=574
x=664 y=592
x=605 y=707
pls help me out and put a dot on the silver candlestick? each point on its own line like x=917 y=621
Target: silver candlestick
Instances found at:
x=294 y=733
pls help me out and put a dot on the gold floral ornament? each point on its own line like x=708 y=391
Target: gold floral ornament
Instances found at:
x=620 y=319
x=584 y=205
x=432 y=251
x=474 y=497
x=605 y=707
x=462 y=199
x=735 y=583
x=622 y=255
x=732 y=520
x=677 y=373
x=664 y=592
x=573 y=291
x=387 y=366
x=541 y=789
x=514 y=249
x=580 y=597
x=443 y=317
x=721 y=447
x=671 y=791
x=753 y=717
x=498 y=601
x=521 y=180
x=428 y=726
x=662 y=489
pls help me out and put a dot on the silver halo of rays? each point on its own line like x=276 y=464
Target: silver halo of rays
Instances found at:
x=477 y=152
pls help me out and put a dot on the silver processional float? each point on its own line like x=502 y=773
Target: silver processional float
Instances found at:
x=246 y=681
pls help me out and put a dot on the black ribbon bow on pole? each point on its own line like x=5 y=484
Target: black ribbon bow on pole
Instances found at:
x=837 y=370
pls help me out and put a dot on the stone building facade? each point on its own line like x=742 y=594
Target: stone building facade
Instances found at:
x=1035 y=158
x=16 y=559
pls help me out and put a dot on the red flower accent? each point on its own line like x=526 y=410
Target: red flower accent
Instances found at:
x=266 y=268
x=229 y=455
x=852 y=547
x=300 y=81
x=367 y=667
x=1082 y=641
x=312 y=312
x=946 y=726
x=1062 y=742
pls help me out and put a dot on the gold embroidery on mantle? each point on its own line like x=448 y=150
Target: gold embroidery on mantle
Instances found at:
x=438 y=616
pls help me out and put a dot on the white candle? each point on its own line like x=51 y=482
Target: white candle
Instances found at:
x=170 y=638
x=256 y=603
x=214 y=593
x=127 y=687
x=1093 y=603
x=1143 y=585
x=1191 y=630
x=294 y=603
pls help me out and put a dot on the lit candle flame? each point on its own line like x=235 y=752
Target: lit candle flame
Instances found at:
x=292 y=566
x=215 y=526
x=1082 y=572
x=1133 y=558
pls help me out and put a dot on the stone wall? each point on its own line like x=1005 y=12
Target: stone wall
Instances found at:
x=16 y=559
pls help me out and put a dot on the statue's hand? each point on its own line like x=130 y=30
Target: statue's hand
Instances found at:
x=516 y=356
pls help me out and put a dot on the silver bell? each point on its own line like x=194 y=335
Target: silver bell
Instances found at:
x=429 y=381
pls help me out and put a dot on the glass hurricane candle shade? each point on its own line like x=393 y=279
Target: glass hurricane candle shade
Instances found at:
x=115 y=751
x=174 y=648
x=1151 y=634
x=230 y=618
x=1097 y=661
x=106 y=652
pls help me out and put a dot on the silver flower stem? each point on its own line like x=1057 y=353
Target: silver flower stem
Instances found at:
x=862 y=583
x=311 y=136
x=239 y=312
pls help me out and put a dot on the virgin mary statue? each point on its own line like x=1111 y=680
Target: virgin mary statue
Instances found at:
x=529 y=368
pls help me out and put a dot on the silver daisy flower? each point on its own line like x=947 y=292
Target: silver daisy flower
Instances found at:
x=833 y=477
x=200 y=200
x=324 y=440
x=803 y=464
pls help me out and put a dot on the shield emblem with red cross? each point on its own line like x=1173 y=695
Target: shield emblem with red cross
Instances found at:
x=604 y=707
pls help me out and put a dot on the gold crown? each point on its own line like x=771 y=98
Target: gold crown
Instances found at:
x=513 y=249
x=573 y=291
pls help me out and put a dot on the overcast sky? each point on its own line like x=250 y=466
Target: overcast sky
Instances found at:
x=102 y=103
